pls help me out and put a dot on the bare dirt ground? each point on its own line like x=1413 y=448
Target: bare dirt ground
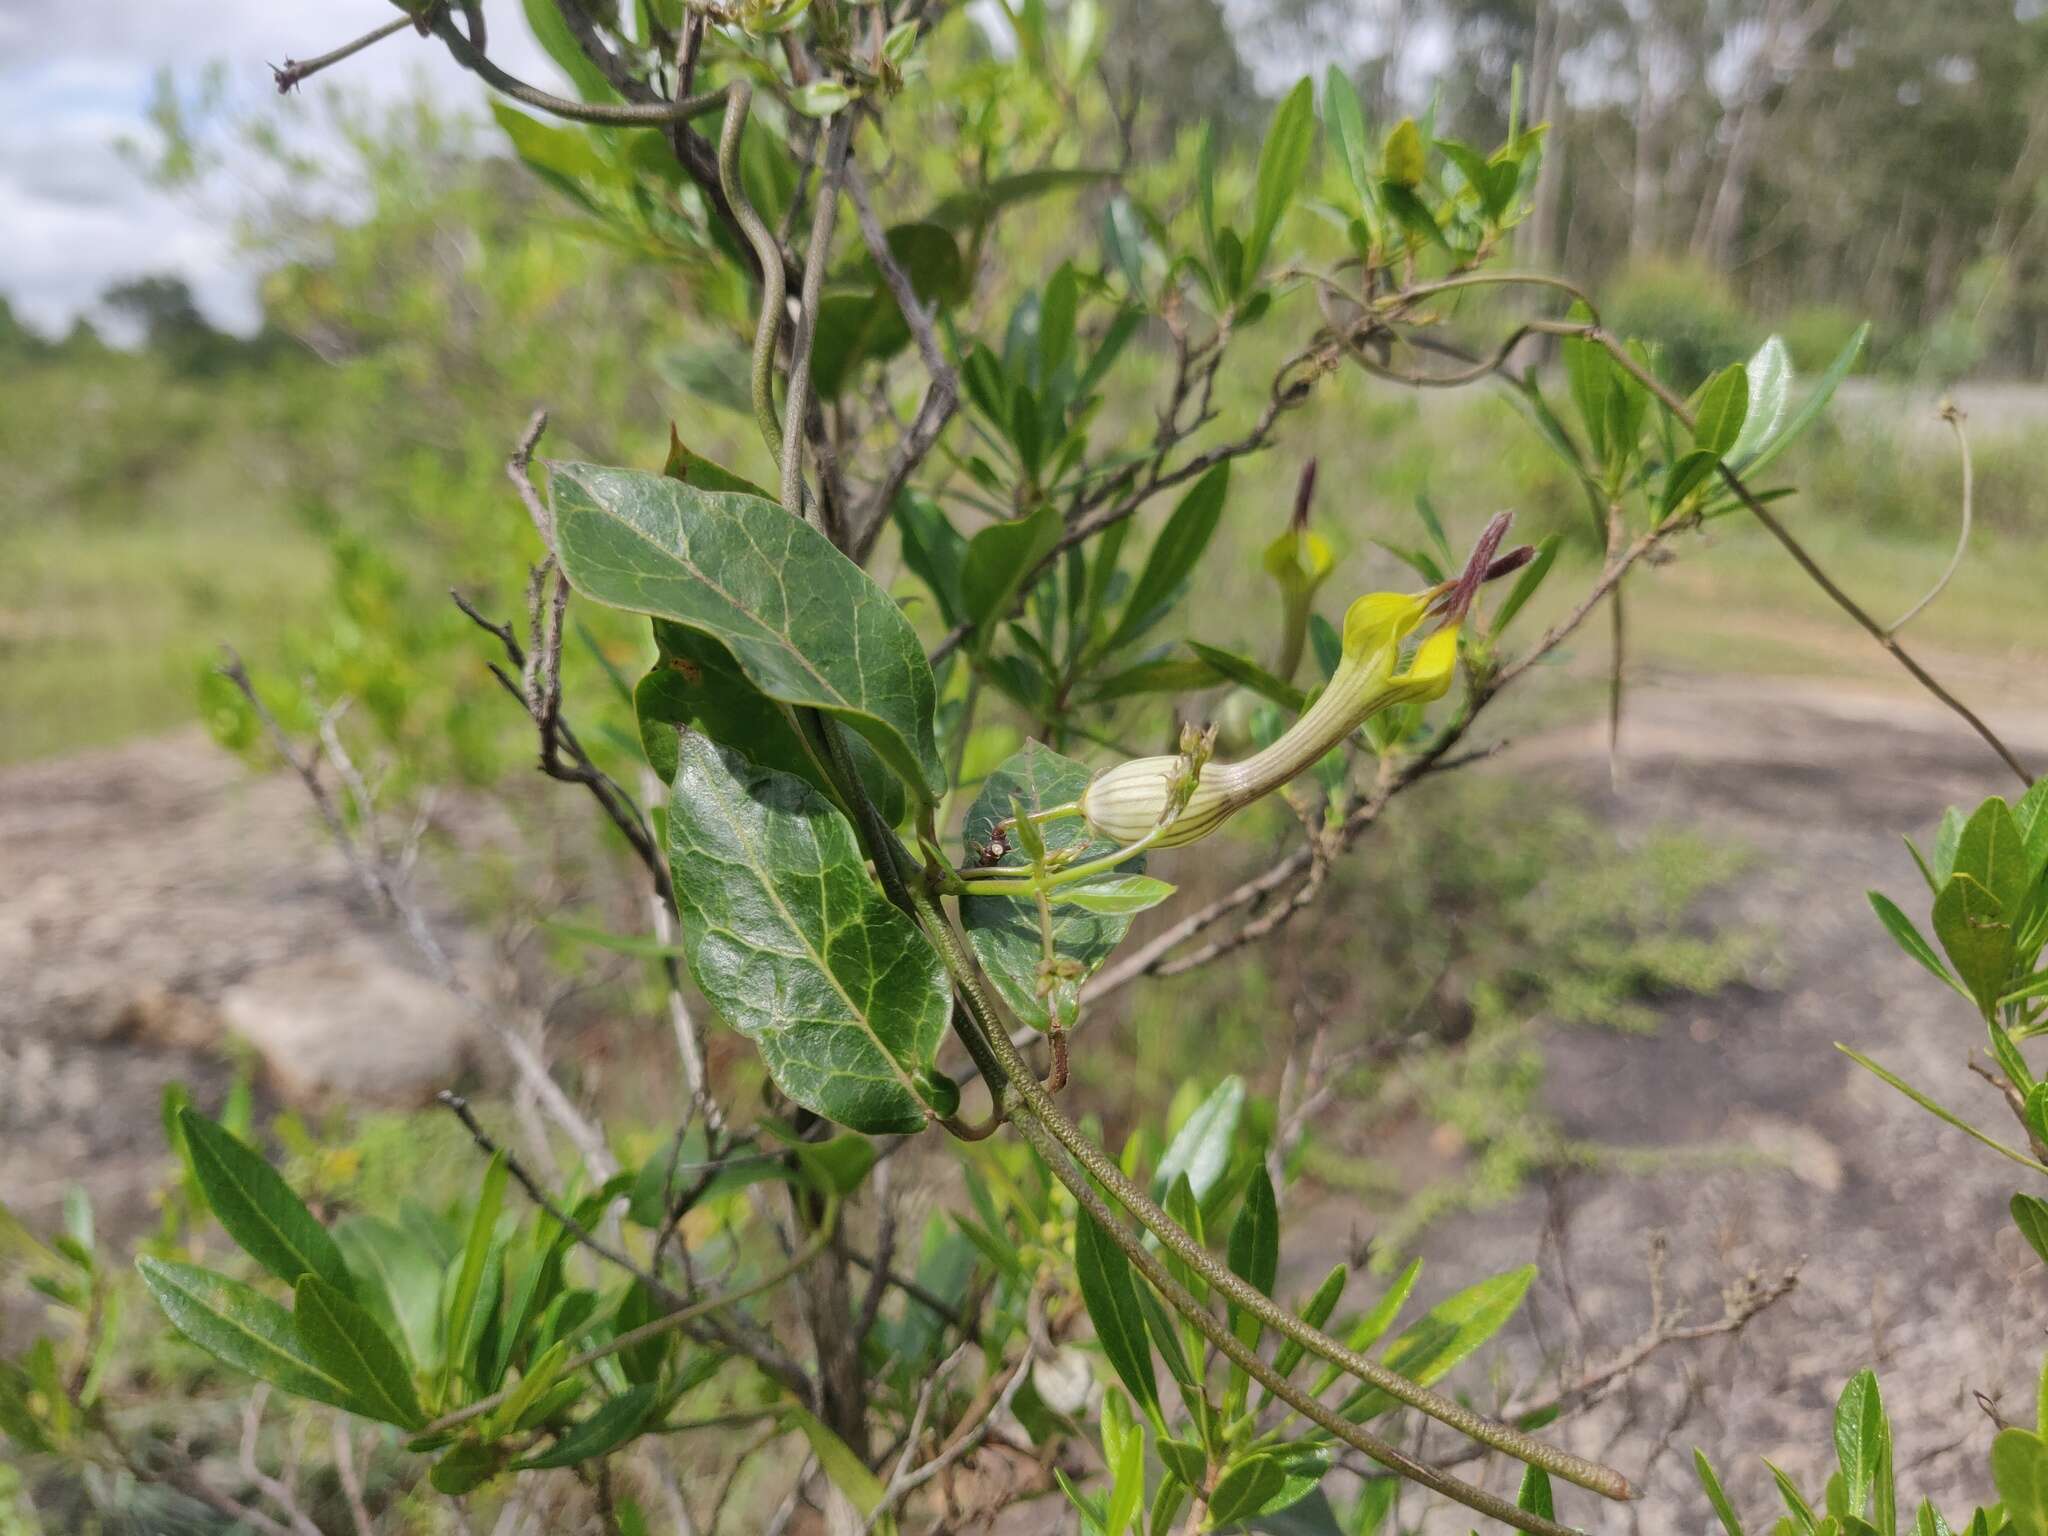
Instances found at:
x=142 y=884
x=1910 y=1263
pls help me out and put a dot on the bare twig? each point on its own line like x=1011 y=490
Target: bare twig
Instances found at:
x=351 y=1481
x=629 y=114
x=377 y=880
x=292 y=71
x=966 y=1436
x=942 y=394
x=273 y=1489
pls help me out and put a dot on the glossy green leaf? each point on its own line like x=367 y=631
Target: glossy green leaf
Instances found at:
x=2030 y=818
x=1534 y=1494
x=1810 y=409
x=1590 y=372
x=1937 y=1111
x=933 y=548
x=552 y=33
x=1721 y=408
x=554 y=151
x=1000 y=558
x=1247 y=673
x=1712 y=1484
x=538 y=1380
x=1527 y=582
x=795 y=947
x=467 y=1283
x=1114 y=895
x=257 y=1208
x=1447 y=1333
x=2019 y=1468
x=1797 y=1509
x=465 y=1467
x=1172 y=674
x=695 y=683
x=1003 y=931
x=1977 y=936
x=1862 y=1438
x=803 y=622
x=1908 y=937
x=1769 y=377
x=398 y=1281
x=1201 y=1147
x=346 y=1343
x=1686 y=476
x=2030 y=1215
x=610 y=1426
x=1112 y=1301
x=1254 y=1248
x=1315 y=1312
x=1243 y=1490
x=241 y=1327
x=1345 y=121
x=1173 y=556
x=1401 y=158
x=1283 y=161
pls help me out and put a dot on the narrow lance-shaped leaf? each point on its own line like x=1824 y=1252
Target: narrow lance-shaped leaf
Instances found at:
x=1810 y=409
x=241 y=1327
x=998 y=560
x=1283 y=161
x=1769 y=375
x=609 y=1427
x=806 y=625
x=1449 y=1332
x=1722 y=405
x=1861 y=1438
x=1112 y=1301
x=1173 y=555
x=1201 y=1147
x=792 y=943
x=347 y=1343
x=1722 y=1508
x=258 y=1209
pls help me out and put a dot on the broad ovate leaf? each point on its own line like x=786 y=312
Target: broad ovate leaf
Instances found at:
x=794 y=946
x=803 y=622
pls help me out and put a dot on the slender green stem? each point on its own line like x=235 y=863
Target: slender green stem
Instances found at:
x=992 y=882
x=774 y=283
x=1177 y=1296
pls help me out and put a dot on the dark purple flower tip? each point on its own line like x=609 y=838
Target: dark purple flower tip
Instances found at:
x=1457 y=596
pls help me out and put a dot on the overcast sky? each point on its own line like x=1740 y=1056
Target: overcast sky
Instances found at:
x=76 y=76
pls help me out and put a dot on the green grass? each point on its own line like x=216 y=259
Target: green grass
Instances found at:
x=146 y=527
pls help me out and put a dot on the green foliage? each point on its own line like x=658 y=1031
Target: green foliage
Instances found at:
x=844 y=996
x=800 y=755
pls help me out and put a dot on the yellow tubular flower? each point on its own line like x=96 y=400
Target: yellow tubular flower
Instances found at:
x=1124 y=804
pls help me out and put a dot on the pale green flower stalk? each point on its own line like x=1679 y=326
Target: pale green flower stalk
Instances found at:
x=1127 y=804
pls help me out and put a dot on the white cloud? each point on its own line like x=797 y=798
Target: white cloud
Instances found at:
x=77 y=77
